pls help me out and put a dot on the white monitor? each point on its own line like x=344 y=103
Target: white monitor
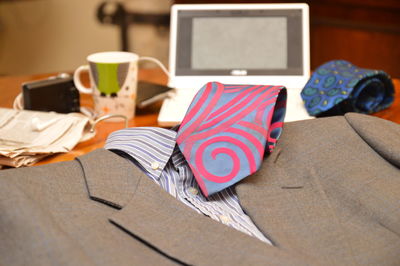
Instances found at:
x=239 y=44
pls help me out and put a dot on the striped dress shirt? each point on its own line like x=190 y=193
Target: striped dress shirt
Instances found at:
x=155 y=152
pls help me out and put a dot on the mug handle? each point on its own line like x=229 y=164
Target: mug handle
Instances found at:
x=77 y=80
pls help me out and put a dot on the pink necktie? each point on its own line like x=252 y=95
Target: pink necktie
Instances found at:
x=226 y=130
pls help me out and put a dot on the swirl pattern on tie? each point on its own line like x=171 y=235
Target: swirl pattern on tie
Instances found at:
x=226 y=130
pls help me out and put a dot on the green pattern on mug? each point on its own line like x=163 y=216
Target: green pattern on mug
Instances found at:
x=108 y=77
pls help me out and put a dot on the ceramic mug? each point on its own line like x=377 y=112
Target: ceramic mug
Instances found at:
x=113 y=82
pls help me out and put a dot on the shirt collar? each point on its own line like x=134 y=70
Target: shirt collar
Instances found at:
x=150 y=147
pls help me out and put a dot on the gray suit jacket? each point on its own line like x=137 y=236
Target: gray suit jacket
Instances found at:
x=328 y=195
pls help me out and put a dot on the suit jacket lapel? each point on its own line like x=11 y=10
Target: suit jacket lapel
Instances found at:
x=110 y=178
x=287 y=199
x=165 y=224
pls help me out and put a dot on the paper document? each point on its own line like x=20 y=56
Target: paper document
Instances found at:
x=28 y=136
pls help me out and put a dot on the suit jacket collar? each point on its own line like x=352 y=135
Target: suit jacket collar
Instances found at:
x=165 y=224
x=112 y=179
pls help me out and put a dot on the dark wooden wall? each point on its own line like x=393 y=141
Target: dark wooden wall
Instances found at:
x=364 y=32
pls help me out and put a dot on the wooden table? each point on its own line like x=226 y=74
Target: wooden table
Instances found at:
x=10 y=86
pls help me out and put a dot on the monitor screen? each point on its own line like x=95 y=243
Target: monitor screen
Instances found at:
x=240 y=43
x=231 y=42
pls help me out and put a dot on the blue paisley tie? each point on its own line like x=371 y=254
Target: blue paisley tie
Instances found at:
x=338 y=87
x=227 y=129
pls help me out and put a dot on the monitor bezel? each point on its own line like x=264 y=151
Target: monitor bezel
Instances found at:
x=226 y=9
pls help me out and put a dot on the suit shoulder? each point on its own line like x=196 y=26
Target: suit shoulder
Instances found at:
x=382 y=135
